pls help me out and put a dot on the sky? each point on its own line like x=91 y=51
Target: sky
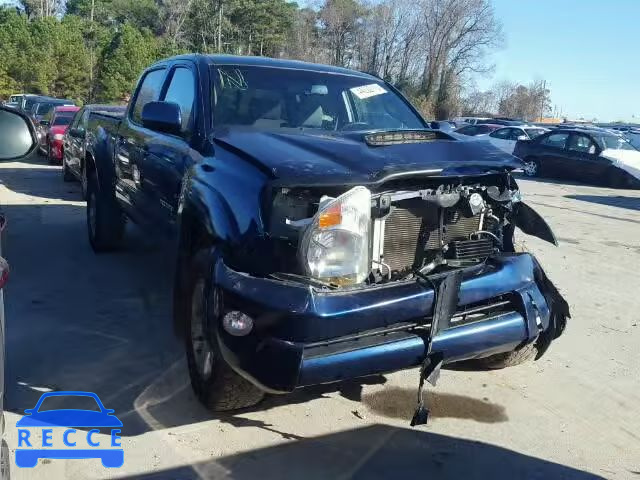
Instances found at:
x=588 y=51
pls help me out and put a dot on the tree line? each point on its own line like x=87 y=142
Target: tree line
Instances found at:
x=94 y=50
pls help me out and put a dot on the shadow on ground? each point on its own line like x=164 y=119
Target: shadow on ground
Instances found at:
x=34 y=176
x=629 y=203
x=378 y=452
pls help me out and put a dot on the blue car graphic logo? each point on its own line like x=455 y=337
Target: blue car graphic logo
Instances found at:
x=35 y=419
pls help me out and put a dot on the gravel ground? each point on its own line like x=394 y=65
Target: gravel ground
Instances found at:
x=76 y=321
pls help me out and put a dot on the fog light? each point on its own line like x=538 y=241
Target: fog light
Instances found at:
x=237 y=323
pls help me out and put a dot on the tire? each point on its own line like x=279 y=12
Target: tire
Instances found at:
x=509 y=359
x=531 y=167
x=214 y=382
x=105 y=220
x=67 y=176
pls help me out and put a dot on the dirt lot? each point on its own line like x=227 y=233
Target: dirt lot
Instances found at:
x=76 y=321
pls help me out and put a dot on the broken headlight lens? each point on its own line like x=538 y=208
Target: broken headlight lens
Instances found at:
x=335 y=247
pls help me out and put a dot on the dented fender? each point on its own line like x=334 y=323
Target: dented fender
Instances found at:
x=530 y=222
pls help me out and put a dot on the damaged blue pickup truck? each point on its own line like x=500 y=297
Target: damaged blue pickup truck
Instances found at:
x=324 y=232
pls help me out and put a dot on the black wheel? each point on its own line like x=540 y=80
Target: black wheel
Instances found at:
x=509 y=359
x=105 y=220
x=49 y=159
x=215 y=383
x=531 y=167
x=67 y=176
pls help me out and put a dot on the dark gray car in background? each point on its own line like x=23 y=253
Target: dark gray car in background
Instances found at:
x=75 y=142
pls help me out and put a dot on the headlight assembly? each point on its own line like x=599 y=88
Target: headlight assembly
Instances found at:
x=335 y=246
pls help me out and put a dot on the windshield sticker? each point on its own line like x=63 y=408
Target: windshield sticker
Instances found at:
x=232 y=79
x=366 y=91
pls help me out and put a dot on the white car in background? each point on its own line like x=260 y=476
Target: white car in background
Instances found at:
x=506 y=138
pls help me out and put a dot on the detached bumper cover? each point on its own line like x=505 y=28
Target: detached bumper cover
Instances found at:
x=305 y=336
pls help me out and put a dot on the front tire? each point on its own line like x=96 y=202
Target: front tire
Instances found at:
x=509 y=359
x=105 y=220
x=215 y=383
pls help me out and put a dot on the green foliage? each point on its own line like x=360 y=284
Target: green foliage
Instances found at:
x=129 y=52
x=140 y=13
x=98 y=48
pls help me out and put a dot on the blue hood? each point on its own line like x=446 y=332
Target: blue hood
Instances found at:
x=299 y=157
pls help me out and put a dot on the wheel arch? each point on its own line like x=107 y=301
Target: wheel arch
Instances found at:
x=201 y=225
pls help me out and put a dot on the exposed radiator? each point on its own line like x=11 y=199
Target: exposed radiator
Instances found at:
x=412 y=236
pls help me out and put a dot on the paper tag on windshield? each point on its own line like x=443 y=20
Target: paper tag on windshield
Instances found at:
x=366 y=91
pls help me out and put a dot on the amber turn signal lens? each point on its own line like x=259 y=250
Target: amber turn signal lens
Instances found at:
x=331 y=217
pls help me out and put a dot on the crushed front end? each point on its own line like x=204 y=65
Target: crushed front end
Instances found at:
x=378 y=278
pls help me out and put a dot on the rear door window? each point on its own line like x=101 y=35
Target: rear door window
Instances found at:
x=581 y=143
x=501 y=133
x=149 y=91
x=557 y=140
x=534 y=132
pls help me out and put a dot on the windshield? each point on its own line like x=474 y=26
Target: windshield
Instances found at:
x=44 y=108
x=268 y=98
x=63 y=118
x=534 y=132
x=612 y=142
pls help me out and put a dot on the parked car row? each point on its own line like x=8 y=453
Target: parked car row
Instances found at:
x=504 y=138
x=51 y=117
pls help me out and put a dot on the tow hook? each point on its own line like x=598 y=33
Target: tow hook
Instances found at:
x=446 y=290
x=430 y=371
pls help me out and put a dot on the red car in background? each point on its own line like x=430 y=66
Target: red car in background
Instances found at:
x=57 y=122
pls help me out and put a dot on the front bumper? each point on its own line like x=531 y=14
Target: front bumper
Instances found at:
x=306 y=336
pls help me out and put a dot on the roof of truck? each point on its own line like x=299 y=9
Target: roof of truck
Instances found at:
x=221 y=59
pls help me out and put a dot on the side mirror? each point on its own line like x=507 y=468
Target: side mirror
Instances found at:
x=17 y=135
x=45 y=123
x=523 y=137
x=592 y=150
x=77 y=132
x=162 y=117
